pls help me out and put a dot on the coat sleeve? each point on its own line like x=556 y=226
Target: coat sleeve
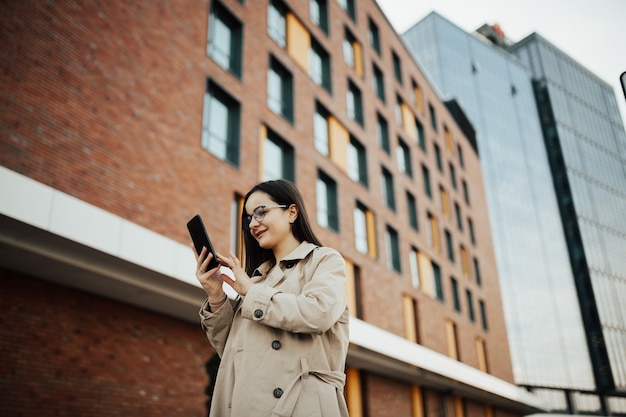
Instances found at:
x=216 y=325
x=315 y=310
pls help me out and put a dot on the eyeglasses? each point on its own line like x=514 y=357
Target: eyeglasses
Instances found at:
x=259 y=213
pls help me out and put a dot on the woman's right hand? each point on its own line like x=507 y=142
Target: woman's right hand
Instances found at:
x=210 y=280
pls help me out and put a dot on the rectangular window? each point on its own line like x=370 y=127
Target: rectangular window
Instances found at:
x=466 y=192
x=320 y=129
x=319 y=65
x=357 y=161
x=224 y=44
x=426 y=178
x=452 y=175
x=354 y=103
x=481 y=353
x=465 y=261
x=392 y=246
x=483 y=314
x=277 y=22
x=374 y=36
x=438 y=157
x=280 y=89
x=379 y=82
x=348 y=7
x=278 y=158
x=459 y=217
x=449 y=245
x=477 y=272
x=412 y=209
x=448 y=139
x=433 y=232
x=419 y=97
x=451 y=338
x=459 y=151
x=236 y=243
x=220 y=124
x=387 y=189
x=470 y=226
x=421 y=139
x=403 y=155
x=318 y=10
x=364 y=230
x=445 y=202
x=433 y=116
x=437 y=282
x=382 y=133
x=348 y=48
x=470 y=305
x=353 y=289
x=326 y=198
x=455 y=294
x=414 y=257
x=409 y=313
x=397 y=66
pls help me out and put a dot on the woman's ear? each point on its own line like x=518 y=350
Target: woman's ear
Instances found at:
x=293 y=213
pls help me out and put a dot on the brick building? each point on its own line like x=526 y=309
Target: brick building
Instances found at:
x=120 y=120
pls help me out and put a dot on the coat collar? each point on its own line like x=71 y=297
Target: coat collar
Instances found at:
x=302 y=251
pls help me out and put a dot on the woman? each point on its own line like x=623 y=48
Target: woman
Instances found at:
x=283 y=341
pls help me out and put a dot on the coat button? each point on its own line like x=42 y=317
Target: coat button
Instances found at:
x=290 y=265
x=278 y=393
x=276 y=344
x=258 y=313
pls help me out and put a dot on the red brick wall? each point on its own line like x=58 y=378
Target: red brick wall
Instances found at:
x=68 y=353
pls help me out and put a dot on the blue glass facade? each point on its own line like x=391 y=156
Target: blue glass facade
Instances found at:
x=546 y=329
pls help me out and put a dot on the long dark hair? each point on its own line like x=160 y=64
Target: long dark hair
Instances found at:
x=282 y=192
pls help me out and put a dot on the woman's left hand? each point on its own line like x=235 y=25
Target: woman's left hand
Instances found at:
x=242 y=281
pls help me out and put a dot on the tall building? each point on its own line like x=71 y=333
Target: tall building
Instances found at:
x=121 y=120
x=551 y=144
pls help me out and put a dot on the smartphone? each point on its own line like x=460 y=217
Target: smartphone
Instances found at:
x=201 y=239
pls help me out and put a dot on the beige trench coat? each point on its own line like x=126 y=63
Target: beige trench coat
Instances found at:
x=283 y=346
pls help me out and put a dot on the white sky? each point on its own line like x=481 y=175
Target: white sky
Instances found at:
x=593 y=32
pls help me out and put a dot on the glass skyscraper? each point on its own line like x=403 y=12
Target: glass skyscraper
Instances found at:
x=561 y=255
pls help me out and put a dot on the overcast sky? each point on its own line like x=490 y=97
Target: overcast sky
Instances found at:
x=593 y=32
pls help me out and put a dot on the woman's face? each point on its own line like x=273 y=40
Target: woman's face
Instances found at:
x=275 y=226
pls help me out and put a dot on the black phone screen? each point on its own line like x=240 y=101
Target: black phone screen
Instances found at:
x=201 y=238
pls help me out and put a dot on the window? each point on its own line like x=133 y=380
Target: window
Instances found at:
x=455 y=294
x=276 y=22
x=393 y=249
x=353 y=289
x=470 y=226
x=470 y=305
x=419 y=97
x=320 y=129
x=379 y=82
x=382 y=133
x=465 y=261
x=280 y=90
x=414 y=257
x=224 y=44
x=445 y=202
x=465 y=192
x=327 y=209
x=387 y=189
x=236 y=244
x=220 y=124
x=348 y=7
x=364 y=230
x=449 y=245
x=481 y=353
x=483 y=314
x=459 y=151
x=354 y=103
x=459 y=217
x=352 y=51
x=357 y=162
x=397 y=66
x=438 y=157
x=451 y=338
x=278 y=158
x=452 y=175
x=426 y=178
x=319 y=65
x=477 y=272
x=437 y=281
x=412 y=209
x=403 y=154
x=433 y=232
x=398 y=111
x=374 y=36
x=433 y=116
x=409 y=313
x=448 y=139
x=421 y=139
x=319 y=14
